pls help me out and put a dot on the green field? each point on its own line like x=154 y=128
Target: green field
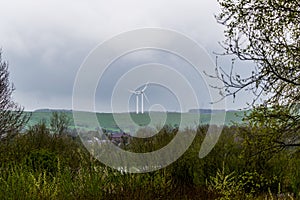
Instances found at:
x=129 y=121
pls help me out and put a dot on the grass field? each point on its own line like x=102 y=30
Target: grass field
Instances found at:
x=127 y=120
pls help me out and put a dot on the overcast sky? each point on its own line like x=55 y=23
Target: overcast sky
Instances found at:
x=46 y=41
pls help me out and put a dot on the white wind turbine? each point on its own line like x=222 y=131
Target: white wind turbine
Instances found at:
x=142 y=94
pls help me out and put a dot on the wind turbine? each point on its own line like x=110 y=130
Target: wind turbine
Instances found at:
x=137 y=93
x=142 y=94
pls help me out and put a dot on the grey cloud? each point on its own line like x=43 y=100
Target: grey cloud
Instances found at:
x=46 y=41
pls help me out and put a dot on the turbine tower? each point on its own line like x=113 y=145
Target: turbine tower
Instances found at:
x=137 y=93
x=142 y=94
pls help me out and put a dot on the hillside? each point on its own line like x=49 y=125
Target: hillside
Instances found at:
x=107 y=120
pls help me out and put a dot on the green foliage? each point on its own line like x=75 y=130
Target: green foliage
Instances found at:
x=267 y=33
x=255 y=183
x=39 y=165
x=23 y=184
x=42 y=160
x=225 y=184
x=59 y=123
x=243 y=186
x=148 y=144
x=270 y=135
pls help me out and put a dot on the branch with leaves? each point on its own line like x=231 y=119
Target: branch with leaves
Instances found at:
x=267 y=33
x=12 y=117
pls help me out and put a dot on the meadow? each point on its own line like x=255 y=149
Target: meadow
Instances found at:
x=106 y=120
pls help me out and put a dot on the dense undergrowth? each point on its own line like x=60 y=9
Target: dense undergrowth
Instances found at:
x=40 y=165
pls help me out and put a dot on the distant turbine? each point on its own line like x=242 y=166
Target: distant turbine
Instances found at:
x=137 y=93
x=142 y=94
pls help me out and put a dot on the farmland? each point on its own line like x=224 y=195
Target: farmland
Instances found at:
x=159 y=119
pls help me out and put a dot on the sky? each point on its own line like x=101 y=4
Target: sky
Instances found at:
x=45 y=42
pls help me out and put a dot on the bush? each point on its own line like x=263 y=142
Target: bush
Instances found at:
x=59 y=167
x=42 y=160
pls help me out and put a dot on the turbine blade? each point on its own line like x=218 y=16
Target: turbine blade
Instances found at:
x=132 y=91
x=145 y=87
x=146 y=98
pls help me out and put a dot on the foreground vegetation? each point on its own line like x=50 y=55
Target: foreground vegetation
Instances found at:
x=43 y=165
x=259 y=160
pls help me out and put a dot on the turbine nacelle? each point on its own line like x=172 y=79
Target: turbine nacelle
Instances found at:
x=142 y=94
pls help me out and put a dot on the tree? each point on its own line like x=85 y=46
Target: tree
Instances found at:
x=271 y=130
x=59 y=123
x=266 y=32
x=12 y=117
